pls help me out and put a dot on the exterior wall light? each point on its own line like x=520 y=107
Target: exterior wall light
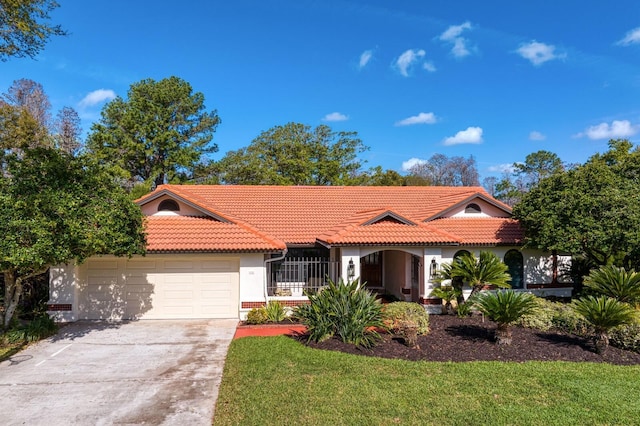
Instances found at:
x=351 y=270
x=433 y=268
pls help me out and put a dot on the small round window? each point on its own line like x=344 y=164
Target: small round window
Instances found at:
x=168 y=205
x=473 y=208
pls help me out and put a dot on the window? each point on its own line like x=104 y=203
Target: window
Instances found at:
x=473 y=208
x=514 y=261
x=168 y=205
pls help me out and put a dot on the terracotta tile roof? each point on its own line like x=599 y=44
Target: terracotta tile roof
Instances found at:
x=301 y=215
x=188 y=233
x=482 y=231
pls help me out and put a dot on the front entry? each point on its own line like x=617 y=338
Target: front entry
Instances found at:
x=371 y=270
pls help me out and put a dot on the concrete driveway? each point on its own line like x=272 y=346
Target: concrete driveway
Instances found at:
x=141 y=372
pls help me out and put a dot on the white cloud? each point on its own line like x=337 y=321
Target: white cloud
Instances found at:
x=365 y=57
x=453 y=35
x=539 y=53
x=617 y=129
x=632 y=37
x=406 y=165
x=428 y=66
x=335 y=116
x=407 y=59
x=536 y=136
x=96 y=97
x=471 y=135
x=421 y=118
x=502 y=168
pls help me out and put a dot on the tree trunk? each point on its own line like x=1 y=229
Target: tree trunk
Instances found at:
x=12 y=293
x=503 y=334
x=601 y=342
x=456 y=283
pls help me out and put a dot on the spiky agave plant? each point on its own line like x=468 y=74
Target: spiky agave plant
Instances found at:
x=347 y=310
x=615 y=282
x=604 y=313
x=505 y=308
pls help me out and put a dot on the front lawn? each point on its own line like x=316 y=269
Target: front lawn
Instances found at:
x=276 y=380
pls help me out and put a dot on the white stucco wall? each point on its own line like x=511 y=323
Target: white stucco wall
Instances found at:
x=63 y=291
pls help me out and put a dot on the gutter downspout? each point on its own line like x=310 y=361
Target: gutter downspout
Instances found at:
x=266 y=291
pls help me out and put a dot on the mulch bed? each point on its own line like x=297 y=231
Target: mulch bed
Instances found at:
x=470 y=339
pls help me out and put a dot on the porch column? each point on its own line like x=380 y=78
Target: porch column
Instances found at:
x=432 y=305
x=350 y=254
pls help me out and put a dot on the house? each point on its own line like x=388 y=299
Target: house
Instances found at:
x=218 y=251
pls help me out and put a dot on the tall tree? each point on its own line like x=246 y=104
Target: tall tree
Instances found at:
x=24 y=27
x=67 y=131
x=295 y=154
x=441 y=170
x=376 y=176
x=537 y=166
x=55 y=209
x=157 y=135
x=592 y=209
x=30 y=95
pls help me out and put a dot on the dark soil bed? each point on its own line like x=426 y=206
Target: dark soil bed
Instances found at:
x=470 y=339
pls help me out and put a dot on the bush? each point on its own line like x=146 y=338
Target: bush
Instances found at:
x=342 y=309
x=257 y=316
x=547 y=315
x=40 y=327
x=396 y=313
x=626 y=337
x=275 y=311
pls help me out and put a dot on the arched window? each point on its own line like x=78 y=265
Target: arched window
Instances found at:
x=461 y=253
x=168 y=205
x=473 y=208
x=514 y=261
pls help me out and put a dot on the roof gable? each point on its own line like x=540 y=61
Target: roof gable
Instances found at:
x=471 y=199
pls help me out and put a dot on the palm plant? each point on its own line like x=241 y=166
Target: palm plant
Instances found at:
x=615 y=282
x=604 y=313
x=448 y=294
x=505 y=308
x=486 y=270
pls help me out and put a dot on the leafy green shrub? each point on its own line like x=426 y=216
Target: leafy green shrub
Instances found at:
x=275 y=311
x=505 y=308
x=615 y=282
x=394 y=314
x=257 y=316
x=540 y=316
x=342 y=309
x=40 y=327
x=626 y=337
x=547 y=315
x=604 y=313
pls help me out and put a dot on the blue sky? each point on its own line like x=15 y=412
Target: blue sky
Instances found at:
x=496 y=80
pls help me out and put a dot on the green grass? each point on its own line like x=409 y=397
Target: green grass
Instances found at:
x=9 y=349
x=275 y=380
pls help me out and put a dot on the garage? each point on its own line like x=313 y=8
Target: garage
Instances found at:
x=159 y=287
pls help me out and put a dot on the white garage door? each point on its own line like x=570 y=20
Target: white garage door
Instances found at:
x=160 y=288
